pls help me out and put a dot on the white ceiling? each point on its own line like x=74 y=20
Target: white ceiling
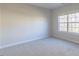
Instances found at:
x=48 y=5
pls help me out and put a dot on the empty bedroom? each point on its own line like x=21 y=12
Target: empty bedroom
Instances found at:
x=39 y=29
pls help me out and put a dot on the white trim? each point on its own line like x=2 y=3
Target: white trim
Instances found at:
x=21 y=42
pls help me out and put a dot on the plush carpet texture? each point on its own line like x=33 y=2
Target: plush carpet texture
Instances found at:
x=43 y=47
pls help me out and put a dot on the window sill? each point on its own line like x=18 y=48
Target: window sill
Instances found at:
x=69 y=33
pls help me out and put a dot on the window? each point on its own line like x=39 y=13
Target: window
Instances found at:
x=69 y=23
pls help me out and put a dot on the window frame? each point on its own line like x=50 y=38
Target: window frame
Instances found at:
x=75 y=17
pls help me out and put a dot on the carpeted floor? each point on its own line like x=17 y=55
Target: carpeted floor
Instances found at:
x=44 y=47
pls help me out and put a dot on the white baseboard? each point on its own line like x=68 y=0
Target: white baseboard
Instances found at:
x=21 y=42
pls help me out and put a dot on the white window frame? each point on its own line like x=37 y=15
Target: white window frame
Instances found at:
x=72 y=22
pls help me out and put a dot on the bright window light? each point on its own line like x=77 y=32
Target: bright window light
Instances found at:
x=69 y=23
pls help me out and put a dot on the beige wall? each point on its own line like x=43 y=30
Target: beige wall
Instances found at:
x=67 y=9
x=22 y=22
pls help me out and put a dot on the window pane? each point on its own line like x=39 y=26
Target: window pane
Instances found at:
x=77 y=19
x=77 y=15
x=62 y=18
x=69 y=29
x=77 y=25
x=71 y=15
x=62 y=23
x=73 y=25
x=63 y=27
x=71 y=18
x=70 y=25
x=75 y=30
x=72 y=29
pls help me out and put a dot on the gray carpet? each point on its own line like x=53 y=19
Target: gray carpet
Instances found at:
x=44 y=47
